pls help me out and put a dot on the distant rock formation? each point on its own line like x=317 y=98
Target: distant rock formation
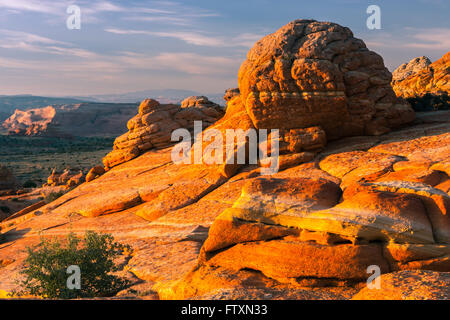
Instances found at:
x=152 y=127
x=412 y=67
x=79 y=120
x=201 y=102
x=419 y=77
x=68 y=177
x=7 y=179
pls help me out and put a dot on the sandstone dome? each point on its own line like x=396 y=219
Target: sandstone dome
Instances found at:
x=311 y=73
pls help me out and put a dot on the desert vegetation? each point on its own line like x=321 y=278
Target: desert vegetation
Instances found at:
x=45 y=269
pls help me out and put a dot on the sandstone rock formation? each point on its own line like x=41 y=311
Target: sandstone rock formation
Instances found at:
x=248 y=236
x=419 y=77
x=230 y=94
x=311 y=73
x=414 y=66
x=152 y=127
x=7 y=179
x=68 y=177
x=94 y=173
x=314 y=82
x=80 y=120
x=309 y=231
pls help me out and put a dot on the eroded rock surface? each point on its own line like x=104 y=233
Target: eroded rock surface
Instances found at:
x=312 y=73
x=420 y=77
x=152 y=127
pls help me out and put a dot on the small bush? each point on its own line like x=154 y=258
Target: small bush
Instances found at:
x=53 y=196
x=45 y=268
x=5 y=209
x=29 y=184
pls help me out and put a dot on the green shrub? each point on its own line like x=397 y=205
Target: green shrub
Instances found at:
x=30 y=184
x=45 y=268
x=430 y=102
x=53 y=196
x=5 y=209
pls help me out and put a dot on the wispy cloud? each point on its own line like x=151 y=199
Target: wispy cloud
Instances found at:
x=195 y=37
x=421 y=38
x=166 y=12
x=51 y=7
x=24 y=41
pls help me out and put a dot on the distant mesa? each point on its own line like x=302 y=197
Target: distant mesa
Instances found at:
x=78 y=120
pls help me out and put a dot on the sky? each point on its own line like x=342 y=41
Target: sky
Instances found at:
x=127 y=46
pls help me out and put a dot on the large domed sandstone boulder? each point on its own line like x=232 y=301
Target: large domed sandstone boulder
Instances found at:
x=152 y=127
x=312 y=73
x=314 y=82
x=420 y=77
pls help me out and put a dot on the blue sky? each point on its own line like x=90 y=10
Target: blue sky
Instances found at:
x=125 y=46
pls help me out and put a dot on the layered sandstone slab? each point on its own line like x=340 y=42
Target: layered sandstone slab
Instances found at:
x=377 y=207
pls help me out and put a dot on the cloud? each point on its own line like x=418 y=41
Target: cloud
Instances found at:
x=195 y=37
x=166 y=12
x=419 y=38
x=31 y=5
x=184 y=62
x=431 y=38
x=24 y=41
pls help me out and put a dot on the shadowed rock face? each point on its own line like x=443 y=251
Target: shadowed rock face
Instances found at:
x=311 y=73
x=420 y=77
